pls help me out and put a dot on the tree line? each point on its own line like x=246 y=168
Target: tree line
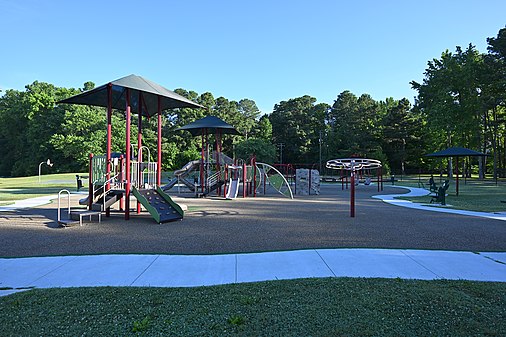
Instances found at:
x=460 y=102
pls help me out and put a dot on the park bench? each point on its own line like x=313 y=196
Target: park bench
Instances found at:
x=440 y=194
x=432 y=185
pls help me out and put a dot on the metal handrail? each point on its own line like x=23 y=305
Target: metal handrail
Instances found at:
x=68 y=204
x=213 y=178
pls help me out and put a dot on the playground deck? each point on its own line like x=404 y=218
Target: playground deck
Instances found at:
x=215 y=225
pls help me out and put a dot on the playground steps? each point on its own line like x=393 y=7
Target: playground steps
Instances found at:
x=76 y=218
x=110 y=199
x=159 y=204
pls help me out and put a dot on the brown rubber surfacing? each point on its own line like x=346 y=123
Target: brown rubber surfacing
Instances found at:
x=217 y=226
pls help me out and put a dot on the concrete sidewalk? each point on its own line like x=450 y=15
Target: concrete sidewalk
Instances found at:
x=17 y=274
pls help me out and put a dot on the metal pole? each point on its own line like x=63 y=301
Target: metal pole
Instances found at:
x=40 y=169
x=202 y=164
x=244 y=180
x=90 y=183
x=107 y=187
x=127 y=168
x=159 y=144
x=320 y=152
x=457 y=180
x=140 y=180
x=254 y=163
x=352 y=195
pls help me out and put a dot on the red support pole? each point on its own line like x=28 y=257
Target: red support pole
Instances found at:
x=225 y=185
x=218 y=158
x=109 y=142
x=139 y=148
x=121 y=177
x=244 y=180
x=159 y=144
x=202 y=163
x=352 y=195
x=90 y=183
x=127 y=169
x=254 y=164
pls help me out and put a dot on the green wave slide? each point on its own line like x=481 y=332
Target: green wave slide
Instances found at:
x=160 y=205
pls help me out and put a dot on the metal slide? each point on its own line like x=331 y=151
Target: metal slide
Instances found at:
x=161 y=207
x=233 y=188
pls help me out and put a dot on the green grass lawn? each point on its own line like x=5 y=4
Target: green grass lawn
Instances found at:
x=29 y=187
x=307 y=307
x=474 y=195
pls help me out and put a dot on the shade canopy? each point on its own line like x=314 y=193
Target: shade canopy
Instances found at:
x=141 y=90
x=209 y=124
x=456 y=152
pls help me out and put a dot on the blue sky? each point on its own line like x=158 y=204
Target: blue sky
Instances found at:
x=267 y=51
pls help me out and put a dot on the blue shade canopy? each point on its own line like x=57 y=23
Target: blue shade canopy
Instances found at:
x=210 y=123
x=456 y=152
x=141 y=90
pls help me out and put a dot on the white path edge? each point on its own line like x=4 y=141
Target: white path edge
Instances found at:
x=417 y=192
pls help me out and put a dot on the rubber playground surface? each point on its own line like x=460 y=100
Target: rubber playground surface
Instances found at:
x=214 y=225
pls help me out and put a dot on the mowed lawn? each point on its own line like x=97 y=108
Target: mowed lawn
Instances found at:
x=474 y=194
x=21 y=188
x=305 y=307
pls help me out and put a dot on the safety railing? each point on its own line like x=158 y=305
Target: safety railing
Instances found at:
x=143 y=175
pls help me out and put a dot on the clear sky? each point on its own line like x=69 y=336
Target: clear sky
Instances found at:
x=264 y=50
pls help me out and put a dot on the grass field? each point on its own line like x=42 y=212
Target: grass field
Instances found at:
x=29 y=187
x=306 y=307
x=474 y=194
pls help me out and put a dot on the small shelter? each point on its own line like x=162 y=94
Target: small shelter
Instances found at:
x=132 y=94
x=203 y=127
x=456 y=152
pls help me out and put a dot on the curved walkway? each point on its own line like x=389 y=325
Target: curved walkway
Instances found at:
x=28 y=203
x=18 y=274
x=418 y=192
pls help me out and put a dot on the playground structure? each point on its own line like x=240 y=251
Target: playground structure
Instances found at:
x=116 y=179
x=218 y=172
x=230 y=178
x=355 y=166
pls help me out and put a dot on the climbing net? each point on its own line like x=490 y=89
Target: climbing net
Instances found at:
x=353 y=164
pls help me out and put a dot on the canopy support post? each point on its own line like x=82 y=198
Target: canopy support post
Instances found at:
x=139 y=149
x=109 y=141
x=159 y=144
x=127 y=169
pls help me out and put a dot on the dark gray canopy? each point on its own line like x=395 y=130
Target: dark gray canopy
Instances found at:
x=210 y=123
x=148 y=90
x=456 y=152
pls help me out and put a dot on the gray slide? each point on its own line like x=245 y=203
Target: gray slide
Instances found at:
x=233 y=188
